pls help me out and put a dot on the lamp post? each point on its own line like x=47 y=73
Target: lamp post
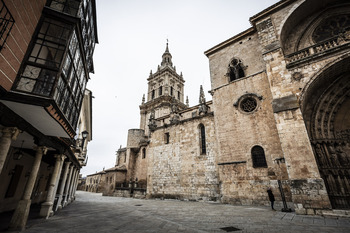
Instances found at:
x=285 y=207
x=84 y=134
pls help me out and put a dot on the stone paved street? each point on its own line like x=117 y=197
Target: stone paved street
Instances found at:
x=92 y=212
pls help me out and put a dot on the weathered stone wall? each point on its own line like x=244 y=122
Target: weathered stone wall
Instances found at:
x=141 y=168
x=238 y=132
x=135 y=136
x=121 y=157
x=120 y=178
x=96 y=182
x=177 y=169
x=121 y=192
x=293 y=77
x=247 y=49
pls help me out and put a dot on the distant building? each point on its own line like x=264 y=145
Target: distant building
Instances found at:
x=279 y=117
x=46 y=52
x=95 y=182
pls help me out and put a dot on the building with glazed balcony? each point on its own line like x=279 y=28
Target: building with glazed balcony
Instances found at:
x=46 y=49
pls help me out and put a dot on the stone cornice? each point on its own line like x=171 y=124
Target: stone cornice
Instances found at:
x=271 y=9
x=250 y=30
x=228 y=42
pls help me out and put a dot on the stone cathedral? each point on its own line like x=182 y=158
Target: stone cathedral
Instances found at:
x=279 y=117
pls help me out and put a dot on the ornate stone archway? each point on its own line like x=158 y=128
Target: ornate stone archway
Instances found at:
x=326 y=110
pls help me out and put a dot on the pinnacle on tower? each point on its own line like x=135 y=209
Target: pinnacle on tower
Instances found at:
x=203 y=107
x=201 y=96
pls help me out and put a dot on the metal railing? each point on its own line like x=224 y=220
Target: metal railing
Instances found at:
x=6 y=24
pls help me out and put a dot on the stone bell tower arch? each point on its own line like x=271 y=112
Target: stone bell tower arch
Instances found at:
x=165 y=88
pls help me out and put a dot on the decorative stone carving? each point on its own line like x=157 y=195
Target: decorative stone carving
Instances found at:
x=203 y=107
x=152 y=124
x=297 y=76
x=174 y=115
x=331 y=27
x=248 y=103
x=344 y=37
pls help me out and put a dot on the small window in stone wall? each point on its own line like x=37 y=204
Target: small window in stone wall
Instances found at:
x=202 y=141
x=167 y=138
x=258 y=157
x=235 y=70
x=144 y=153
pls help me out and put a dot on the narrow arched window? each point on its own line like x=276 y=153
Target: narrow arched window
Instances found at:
x=202 y=142
x=153 y=94
x=258 y=157
x=160 y=91
x=144 y=153
x=235 y=70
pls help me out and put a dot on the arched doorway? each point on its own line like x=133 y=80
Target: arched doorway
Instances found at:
x=326 y=111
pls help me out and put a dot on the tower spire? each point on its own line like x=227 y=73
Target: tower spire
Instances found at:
x=167 y=48
x=166 y=58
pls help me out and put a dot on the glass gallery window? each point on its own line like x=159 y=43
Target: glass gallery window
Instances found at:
x=72 y=82
x=66 y=6
x=88 y=32
x=39 y=73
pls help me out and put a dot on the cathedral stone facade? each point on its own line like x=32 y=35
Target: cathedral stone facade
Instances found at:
x=279 y=117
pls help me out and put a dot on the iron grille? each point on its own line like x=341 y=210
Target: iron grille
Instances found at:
x=6 y=23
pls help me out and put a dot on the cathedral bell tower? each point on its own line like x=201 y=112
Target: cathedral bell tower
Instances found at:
x=165 y=88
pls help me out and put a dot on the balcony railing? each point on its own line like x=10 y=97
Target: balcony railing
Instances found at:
x=6 y=23
x=324 y=48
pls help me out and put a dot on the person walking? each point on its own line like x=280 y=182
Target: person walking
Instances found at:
x=271 y=197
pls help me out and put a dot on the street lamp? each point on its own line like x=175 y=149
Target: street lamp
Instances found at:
x=84 y=134
x=285 y=207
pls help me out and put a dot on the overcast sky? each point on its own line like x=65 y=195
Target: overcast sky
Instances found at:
x=132 y=38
